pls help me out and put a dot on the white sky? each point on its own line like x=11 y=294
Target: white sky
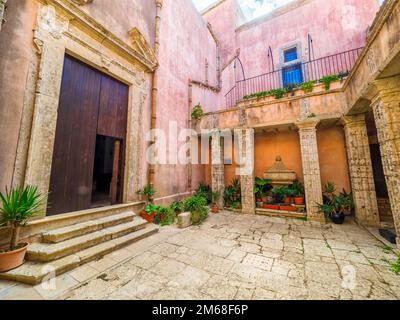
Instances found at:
x=252 y=8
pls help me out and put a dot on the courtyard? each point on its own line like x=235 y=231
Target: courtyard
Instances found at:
x=235 y=256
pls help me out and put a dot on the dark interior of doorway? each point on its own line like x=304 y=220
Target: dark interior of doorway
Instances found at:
x=103 y=171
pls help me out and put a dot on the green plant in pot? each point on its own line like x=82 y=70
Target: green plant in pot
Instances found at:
x=280 y=193
x=196 y=205
x=165 y=217
x=18 y=206
x=177 y=207
x=335 y=206
x=148 y=192
x=150 y=211
x=299 y=193
x=205 y=191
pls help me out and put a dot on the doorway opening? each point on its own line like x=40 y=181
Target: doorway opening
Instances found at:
x=106 y=171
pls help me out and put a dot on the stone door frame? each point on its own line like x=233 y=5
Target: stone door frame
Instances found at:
x=62 y=28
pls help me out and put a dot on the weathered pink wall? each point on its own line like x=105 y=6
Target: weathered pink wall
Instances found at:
x=335 y=26
x=15 y=54
x=185 y=45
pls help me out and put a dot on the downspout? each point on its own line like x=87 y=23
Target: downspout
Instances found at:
x=154 y=90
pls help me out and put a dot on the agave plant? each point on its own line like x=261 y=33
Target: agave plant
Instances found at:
x=18 y=206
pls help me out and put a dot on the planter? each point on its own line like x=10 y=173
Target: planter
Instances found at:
x=13 y=259
x=147 y=217
x=338 y=218
x=299 y=201
x=259 y=204
x=271 y=206
x=288 y=208
x=215 y=209
x=288 y=200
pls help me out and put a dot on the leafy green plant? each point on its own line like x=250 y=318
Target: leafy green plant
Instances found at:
x=291 y=87
x=165 y=217
x=151 y=208
x=395 y=267
x=196 y=205
x=298 y=189
x=197 y=112
x=278 y=93
x=261 y=187
x=327 y=80
x=148 y=192
x=204 y=190
x=177 y=207
x=280 y=192
x=18 y=206
x=308 y=86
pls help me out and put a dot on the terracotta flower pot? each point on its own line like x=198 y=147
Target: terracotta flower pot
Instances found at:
x=215 y=209
x=288 y=200
x=288 y=208
x=299 y=201
x=148 y=217
x=271 y=206
x=13 y=259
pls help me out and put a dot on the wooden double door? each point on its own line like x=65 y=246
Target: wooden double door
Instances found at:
x=89 y=151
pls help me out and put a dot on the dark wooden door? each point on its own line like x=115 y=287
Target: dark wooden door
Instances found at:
x=90 y=103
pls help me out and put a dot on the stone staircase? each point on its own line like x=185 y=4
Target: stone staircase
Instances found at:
x=67 y=247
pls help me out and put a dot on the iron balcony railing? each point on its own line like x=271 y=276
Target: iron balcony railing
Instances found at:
x=338 y=64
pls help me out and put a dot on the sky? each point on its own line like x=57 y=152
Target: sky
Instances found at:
x=251 y=8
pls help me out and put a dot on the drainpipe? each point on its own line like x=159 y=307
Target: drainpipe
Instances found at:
x=154 y=90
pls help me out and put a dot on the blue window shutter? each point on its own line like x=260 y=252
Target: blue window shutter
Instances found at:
x=290 y=55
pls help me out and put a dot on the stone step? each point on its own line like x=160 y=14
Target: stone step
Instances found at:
x=45 y=252
x=80 y=229
x=34 y=229
x=281 y=213
x=34 y=273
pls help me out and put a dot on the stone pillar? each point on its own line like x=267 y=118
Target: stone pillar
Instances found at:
x=311 y=170
x=245 y=139
x=386 y=108
x=217 y=166
x=2 y=10
x=361 y=172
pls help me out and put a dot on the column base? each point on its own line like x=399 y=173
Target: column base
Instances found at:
x=317 y=218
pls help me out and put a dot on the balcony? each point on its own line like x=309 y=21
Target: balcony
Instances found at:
x=339 y=65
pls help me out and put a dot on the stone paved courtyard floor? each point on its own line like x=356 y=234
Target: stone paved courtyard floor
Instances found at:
x=240 y=257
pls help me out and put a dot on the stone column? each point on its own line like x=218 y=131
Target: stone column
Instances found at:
x=361 y=172
x=217 y=166
x=245 y=139
x=386 y=108
x=311 y=170
x=2 y=10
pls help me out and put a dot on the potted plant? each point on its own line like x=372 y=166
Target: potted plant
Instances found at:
x=280 y=194
x=150 y=211
x=205 y=191
x=148 y=192
x=215 y=197
x=177 y=207
x=165 y=217
x=18 y=206
x=299 y=193
x=196 y=205
x=335 y=206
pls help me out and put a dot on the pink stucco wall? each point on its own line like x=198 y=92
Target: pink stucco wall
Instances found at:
x=334 y=25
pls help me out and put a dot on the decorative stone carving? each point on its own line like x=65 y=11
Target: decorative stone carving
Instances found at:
x=279 y=174
x=311 y=170
x=361 y=172
x=386 y=108
x=139 y=43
